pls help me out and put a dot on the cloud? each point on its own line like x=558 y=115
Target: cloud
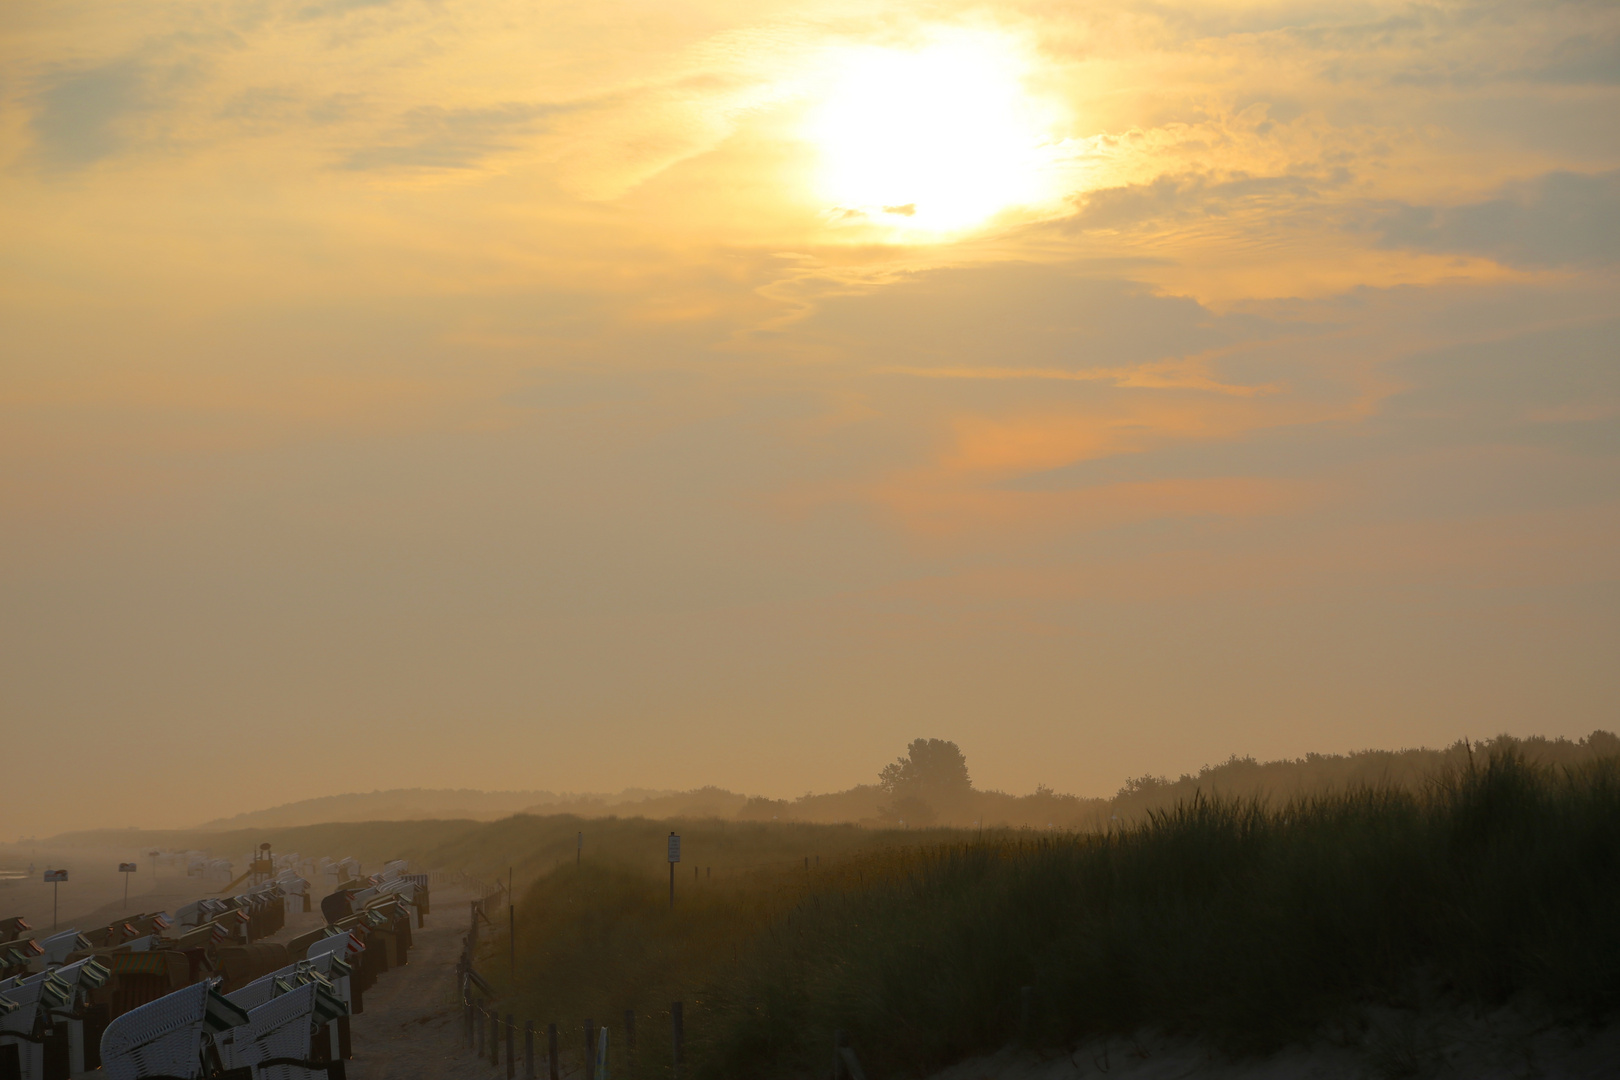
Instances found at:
x=1179 y=197
x=1019 y=318
x=338 y=8
x=1558 y=219
x=432 y=137
x=1589 y=58
x=79 y=119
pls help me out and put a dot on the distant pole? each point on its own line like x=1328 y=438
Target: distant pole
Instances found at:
x=674 y=857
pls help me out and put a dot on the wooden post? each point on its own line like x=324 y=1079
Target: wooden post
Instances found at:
x=511 y=1036
x=677 y=1032
x=467 y=1009
x=528 y=1050
x=480 y=1026
x=590 y=1050
x=494 y=1038
x=551 y=1052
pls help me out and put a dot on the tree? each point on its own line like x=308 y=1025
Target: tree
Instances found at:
x=932 y=775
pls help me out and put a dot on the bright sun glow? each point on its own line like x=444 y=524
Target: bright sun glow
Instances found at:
x=937 y=139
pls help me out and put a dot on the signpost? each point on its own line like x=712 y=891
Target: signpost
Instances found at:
x=674 y=857
x=55 y=877
x=126 y=868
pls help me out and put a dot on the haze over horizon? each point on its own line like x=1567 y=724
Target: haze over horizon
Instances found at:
x=536 y=396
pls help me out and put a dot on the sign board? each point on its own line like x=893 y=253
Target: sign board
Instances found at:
x=56 y=875
x=674 y=848
x=127 y=868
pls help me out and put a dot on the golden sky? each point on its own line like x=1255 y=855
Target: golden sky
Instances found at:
x=522 y=394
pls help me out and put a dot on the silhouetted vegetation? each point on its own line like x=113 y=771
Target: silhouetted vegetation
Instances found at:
x=931 y=786
x=1245 y=924
x=1220 y=918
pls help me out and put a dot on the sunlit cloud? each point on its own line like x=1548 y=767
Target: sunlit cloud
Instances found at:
x=352 y=347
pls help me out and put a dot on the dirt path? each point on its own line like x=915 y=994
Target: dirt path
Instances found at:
x=411 y=1029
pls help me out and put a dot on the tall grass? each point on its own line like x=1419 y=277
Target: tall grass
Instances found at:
x=1226 y=920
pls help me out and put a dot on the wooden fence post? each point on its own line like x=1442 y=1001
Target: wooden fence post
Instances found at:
x=480 y=1026
x=511 y=1036
x=494 y=1038
x=590 y=1050
x=528 y=1050
x=551 y=1052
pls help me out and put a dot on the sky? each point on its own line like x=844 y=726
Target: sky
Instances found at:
x=524 y=394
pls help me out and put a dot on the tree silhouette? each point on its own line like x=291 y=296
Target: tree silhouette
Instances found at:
x=933 y=776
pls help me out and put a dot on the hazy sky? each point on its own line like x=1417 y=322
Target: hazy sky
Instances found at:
x=517 y=394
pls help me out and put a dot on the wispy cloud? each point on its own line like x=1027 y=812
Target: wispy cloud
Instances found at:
x=431 y=137
x=1558 y=219
x=81 y=116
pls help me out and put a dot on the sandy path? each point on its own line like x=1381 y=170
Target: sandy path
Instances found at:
x=411 y=1029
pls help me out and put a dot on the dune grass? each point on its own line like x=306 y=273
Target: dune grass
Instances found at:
x=1245 y=925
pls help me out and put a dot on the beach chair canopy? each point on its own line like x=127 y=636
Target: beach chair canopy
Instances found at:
x=168 y=1037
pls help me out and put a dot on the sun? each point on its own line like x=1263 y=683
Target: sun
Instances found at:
x=939 y=138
